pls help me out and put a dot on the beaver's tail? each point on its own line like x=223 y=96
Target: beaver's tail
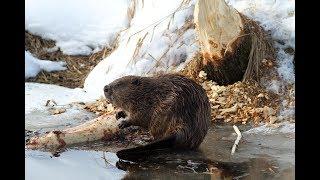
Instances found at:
x=144 y=151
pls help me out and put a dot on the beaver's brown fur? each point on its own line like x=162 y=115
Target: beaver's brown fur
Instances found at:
x=170 y=106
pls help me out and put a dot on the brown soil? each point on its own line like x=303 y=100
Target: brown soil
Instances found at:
x=78 y=67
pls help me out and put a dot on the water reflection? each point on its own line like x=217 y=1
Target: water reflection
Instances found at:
x=254 y=159
x=194 y=165
x=75 y=164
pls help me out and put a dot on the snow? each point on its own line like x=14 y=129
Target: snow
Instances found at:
x=43 y=120
x=79 y=27
x=37 y=94
x=274 y=86
x=159 y=43
x=86 y=164
x=285 y=127
x=33 y=65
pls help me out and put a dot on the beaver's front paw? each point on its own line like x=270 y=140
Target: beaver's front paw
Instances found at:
x=123 y=124
x=121 y=114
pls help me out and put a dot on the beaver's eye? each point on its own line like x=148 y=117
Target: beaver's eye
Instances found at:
x=136 y=82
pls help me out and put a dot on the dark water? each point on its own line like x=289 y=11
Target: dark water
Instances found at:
x=257 y=157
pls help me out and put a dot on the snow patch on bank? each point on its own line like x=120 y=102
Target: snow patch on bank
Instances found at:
x=285 y=128
x=79 y=27
x=33 y=65
x=37 y=94
x=43 y=121
x=155 y=42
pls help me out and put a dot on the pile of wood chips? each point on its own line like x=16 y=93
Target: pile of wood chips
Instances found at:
x=242 y=102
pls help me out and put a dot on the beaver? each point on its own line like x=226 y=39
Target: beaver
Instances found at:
x=172 y=107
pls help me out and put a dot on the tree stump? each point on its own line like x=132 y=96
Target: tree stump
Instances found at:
x=232 y=46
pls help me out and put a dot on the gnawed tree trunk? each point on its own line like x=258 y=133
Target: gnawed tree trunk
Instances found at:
x=102 y=127
x=232 y=46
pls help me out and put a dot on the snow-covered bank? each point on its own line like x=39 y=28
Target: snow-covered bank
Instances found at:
x=79 y=27
x=33 y=65
x=156 y=41
x=159 y=38
x=36 y=96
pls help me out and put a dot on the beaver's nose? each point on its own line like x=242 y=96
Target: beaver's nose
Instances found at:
x=106 y=88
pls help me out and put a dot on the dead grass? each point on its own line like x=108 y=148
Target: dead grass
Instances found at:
x=78 y=67
x=261 y=48
x=188 y=24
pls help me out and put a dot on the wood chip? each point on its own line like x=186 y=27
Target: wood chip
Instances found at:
x=203 y=75
x=229 y=110
x=215 y=107
x=57 y=111
x=273 y=119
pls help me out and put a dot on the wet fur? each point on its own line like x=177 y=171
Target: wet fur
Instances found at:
x=174 y=108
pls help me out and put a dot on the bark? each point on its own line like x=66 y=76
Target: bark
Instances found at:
x=102 y=127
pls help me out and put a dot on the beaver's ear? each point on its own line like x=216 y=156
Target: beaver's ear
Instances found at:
x=136 y=82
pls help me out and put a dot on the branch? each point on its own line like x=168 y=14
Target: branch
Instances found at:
x=237 y=140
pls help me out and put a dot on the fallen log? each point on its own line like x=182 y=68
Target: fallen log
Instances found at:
x=102 y=127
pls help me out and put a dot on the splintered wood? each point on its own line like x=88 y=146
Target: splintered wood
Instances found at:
x=217 y=25
x=99 y=107
x=103 y=127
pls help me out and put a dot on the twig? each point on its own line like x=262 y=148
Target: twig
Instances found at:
x=137 y=49
x=74 y=67
x=237 y=140
x=152 y=57
x=107 y=163
x=44 y=76
x=104 y=53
